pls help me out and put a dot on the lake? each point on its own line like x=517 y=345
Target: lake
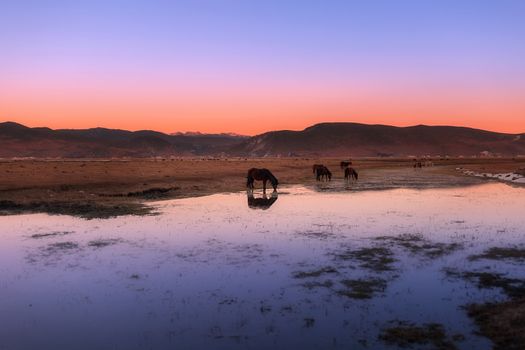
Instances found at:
x=311 y=268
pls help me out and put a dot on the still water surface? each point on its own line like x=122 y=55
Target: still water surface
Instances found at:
x=221 y=272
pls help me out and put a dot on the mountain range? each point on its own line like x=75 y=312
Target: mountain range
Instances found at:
x=325 y=139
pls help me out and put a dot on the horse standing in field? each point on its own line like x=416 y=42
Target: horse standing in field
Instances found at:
x=263 y=175
x=323 y=172
x=317 y=166
x=345 y=164
x=351 y=174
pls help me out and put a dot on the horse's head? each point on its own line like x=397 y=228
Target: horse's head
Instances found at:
x=274 y=182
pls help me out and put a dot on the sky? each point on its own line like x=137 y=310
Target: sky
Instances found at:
x=249 y=66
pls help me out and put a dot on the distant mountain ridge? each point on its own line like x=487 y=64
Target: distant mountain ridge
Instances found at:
x=324 y=139
x=17 y=140
x=364 y=140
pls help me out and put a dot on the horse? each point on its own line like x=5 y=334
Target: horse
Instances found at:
x=263 y=202
x=345 y=164
x=418 y=164
x=351 y=174
x=323 y=172
x=316 y=166
x=263 y=175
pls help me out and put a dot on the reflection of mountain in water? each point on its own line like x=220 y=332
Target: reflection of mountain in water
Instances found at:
x=263 y=202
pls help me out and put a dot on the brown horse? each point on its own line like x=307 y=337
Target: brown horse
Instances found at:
x=316 y=166
x=345 y=164
x=323 y=172
x=350 y=174
x=263 y=175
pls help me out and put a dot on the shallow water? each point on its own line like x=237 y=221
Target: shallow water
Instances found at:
x=221 y=271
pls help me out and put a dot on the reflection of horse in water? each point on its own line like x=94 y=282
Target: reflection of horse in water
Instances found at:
x=263 y=202
x=350 y=174
x=263 y=175
x=323 y=172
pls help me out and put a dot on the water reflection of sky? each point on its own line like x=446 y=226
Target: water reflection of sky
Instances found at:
x=211 y=272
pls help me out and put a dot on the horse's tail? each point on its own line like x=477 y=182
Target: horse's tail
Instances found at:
x=249 y=181
x=356 y=175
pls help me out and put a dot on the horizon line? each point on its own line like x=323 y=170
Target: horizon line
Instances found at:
x=232 y=133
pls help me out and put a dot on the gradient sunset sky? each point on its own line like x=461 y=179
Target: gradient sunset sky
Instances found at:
x=252 y=66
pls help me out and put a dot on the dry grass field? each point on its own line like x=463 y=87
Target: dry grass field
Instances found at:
x=105 y=188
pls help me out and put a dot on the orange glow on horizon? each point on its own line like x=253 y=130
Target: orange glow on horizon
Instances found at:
x=252 y=117
x=162 y=105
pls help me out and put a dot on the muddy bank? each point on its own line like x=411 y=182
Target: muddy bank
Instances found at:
x=86 y=210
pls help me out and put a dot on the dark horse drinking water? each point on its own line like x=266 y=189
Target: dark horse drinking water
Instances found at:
x=350 y=174
x=323 y=172
x=263 y=175
x=317 y=166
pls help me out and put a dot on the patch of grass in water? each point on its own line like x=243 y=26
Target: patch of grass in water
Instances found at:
x=406 y=335
x=316 y=284
x=86 y=210
x=314 y=273
x=61 y=246
x=418 y=245
x=378 y=259
x=503 y=323
x=501 y=253
x=512 y=287
x=316 y=234
x=50 y=234
x=309 y=322
x=101 y=243
x=362 y=288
